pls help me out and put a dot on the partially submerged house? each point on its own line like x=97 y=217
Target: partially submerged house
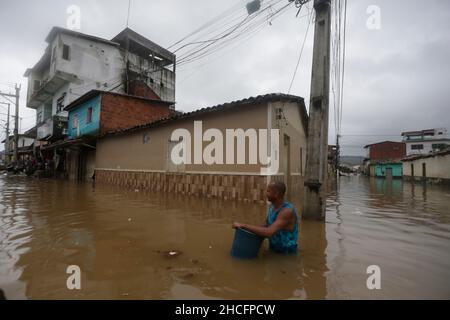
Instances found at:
x=229 y=151
x=24 y=150
x=433 y=167
x=383 y=159
x=75 y=63
x=96 y=113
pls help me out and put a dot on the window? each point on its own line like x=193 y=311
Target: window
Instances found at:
x=417 y=147
x=75 y=121
x=89 y=115
x=36 y=85
x=60 y=103
x=66 y=52
x=146 y=138
x=439 y=146
x=39 y=117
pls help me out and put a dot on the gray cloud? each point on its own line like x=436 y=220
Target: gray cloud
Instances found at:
x=397 y=78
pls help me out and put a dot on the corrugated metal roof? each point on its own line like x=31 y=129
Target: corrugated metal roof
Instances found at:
x=272 y=97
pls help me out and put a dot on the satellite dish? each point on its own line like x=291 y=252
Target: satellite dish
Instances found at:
x=253 y=6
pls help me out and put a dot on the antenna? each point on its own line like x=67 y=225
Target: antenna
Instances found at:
x=128 y=14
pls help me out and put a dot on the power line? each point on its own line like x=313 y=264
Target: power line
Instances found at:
x=301 y=52
x=202 y=45
x=254 y=32
x=209 y=23
x=191 y=57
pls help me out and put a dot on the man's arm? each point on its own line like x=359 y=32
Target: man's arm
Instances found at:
x=283 y=219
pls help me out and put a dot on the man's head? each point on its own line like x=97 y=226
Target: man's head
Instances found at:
x=276 y=191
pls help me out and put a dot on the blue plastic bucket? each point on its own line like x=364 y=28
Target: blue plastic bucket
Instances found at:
x=246 y=244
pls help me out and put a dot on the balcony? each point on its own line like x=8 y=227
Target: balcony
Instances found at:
x=53 y=128
x=48 y=88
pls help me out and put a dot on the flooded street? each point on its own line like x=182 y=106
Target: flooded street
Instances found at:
x=118 y=238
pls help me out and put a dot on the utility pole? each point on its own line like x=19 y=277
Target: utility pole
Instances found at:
x=317 y=145
x=16 y=125
x=337 y=154
x=7 y=132
x=16 y=119
x=7 y=138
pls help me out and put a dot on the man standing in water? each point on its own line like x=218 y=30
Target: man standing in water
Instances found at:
x=281 y=224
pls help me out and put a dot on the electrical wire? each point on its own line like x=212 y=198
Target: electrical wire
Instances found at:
x=301 y=52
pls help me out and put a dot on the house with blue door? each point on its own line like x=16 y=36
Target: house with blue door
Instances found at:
x=388 y=169
x=97 y=113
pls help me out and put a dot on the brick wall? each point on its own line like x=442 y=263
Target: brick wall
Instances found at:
x=141 y=89
x=121 y=112
x=387 y=151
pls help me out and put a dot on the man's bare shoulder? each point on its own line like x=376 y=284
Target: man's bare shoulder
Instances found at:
x=286 y=213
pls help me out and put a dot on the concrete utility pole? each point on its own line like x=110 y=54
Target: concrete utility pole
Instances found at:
x=16 y=125
x=317 y=146
x=7 y=132
x=16 y=119
x=7 y=137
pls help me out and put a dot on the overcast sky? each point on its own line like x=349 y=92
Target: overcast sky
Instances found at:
x=397 y=77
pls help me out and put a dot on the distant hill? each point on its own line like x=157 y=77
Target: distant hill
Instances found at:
x=352 y=160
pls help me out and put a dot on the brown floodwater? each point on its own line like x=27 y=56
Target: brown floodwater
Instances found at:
x=118 y=239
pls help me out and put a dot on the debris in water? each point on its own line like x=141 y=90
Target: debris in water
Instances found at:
x=129 y=219
x=210 y=247
x=136 y=190
x=172 y=253
x=188 y=275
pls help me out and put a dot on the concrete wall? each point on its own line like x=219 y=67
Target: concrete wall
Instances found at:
x=437 y=167
x=127 y=161
x=128 y=152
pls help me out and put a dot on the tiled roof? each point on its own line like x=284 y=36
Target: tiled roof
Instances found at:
x=272 y=97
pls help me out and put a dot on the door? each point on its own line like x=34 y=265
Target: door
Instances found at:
x=424 y=170
x=389 y=173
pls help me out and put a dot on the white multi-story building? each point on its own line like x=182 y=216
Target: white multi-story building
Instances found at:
x=424 y=142
x=75 y=63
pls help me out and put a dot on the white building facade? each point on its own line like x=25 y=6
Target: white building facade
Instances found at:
x=425 y=142
x=75 y=63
